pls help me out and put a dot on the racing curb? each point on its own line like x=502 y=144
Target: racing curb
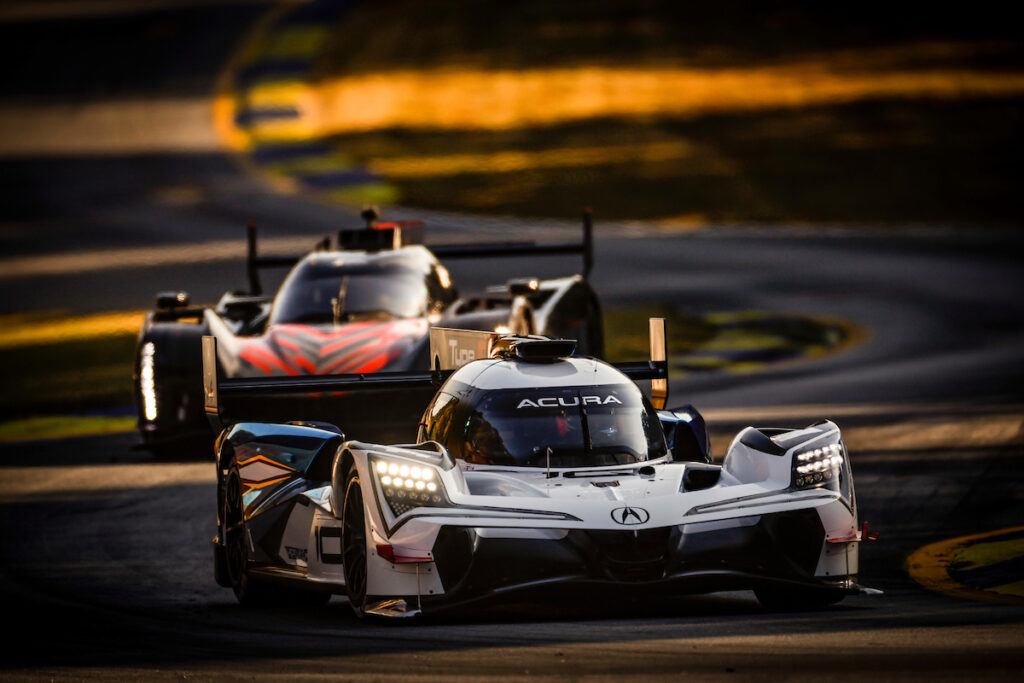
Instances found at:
x=262 y=102
x=783 y=339
x=987 y=566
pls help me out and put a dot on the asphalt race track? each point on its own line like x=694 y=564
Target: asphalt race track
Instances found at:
x=106 y=565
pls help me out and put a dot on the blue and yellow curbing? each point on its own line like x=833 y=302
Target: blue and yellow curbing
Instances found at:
x=751 y=341
x=264 y=110
x=987 y=566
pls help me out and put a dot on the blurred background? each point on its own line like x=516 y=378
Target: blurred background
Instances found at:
x=137 y=139
x=823 y=199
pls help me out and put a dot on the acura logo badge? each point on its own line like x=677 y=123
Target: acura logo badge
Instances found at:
x=629 y=516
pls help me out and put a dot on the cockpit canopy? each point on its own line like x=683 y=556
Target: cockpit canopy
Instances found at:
x=336 y=287
x=583 y=426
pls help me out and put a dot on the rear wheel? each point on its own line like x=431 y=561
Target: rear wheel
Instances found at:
x=795 y=599
x=353 y=538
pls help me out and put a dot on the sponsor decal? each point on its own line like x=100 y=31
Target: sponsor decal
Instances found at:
x=630 y=515
x=295 y=554
x=451 y=349
x=567 y=401
x=460 y=356
x=328 y=546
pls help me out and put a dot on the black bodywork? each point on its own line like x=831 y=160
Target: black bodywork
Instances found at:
x=777 y=551
x=171 y=418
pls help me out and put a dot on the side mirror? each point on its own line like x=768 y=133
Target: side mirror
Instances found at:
x=687 y=434
x=166 y=301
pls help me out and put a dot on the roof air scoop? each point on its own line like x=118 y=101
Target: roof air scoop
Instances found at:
x=534 y=349
x=380 y=235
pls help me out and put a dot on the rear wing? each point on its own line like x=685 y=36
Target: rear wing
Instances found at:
x=254 y=262
x=450 y=349
x=392 y=235
x=584 y=247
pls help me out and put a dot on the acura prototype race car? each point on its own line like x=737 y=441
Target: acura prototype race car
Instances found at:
x=535 y=471
x=364 y=304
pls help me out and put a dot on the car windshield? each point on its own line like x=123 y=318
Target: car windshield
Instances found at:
x=565 y=427
x=332 y=295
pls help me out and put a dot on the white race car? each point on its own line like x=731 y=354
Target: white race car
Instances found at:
x=536 y=472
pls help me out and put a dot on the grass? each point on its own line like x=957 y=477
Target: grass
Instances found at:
x=54 y=362
x=67 y=376
x=62 y=426
x=747 y=341
x=877 y=162
x=413 y=34
x=626 y=337
x=788 y=115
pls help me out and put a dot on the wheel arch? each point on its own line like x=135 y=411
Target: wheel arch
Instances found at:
x=343 y=462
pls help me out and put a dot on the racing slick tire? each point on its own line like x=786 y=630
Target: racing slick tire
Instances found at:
x=353 y=542
x=778 y=599
x=249 y=590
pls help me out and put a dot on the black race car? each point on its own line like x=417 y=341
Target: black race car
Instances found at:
x=362 y=305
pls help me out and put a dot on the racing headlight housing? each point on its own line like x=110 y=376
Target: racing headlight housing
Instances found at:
x=408 y=485
x=147 y=382
x=821 y=467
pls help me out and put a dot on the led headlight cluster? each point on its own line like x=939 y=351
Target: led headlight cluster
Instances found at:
x=818 y=466
x=147 y=385
x=408 y=485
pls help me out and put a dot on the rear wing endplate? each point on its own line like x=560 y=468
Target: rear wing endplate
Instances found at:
x=451 y=349
x=656 y=369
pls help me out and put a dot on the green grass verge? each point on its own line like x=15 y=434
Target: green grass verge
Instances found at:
x=874 y=163
x=626 y=332
x=747 y=341
x=62 y=426
x=67 y=376
x=882 y=160
x=417 y=34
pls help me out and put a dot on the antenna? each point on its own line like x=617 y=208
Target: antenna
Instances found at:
x=588 y=241
x=659 y=354
x=252 y=268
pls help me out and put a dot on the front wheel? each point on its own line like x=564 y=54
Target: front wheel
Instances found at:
x=234 y=560
x=235 y=555
x=353 y=538
x=795 y=600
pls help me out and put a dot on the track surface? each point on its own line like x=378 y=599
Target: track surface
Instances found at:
x=106 y=565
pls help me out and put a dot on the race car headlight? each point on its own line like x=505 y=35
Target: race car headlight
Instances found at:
x=147 y=384
x=820 y=467
x=409 y=485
